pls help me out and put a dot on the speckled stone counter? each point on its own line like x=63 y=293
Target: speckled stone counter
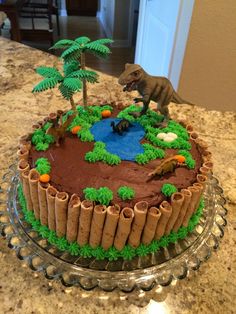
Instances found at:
x=212 y=289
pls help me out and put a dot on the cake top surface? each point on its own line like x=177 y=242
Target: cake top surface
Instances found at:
x=97 y=156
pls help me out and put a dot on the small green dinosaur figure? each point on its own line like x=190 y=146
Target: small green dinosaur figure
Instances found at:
x=167 y=165
x=58 y=130
x=156 y=88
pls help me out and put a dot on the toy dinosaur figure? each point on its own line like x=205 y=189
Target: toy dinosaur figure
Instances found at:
x=121 y=126
x=167 y=165
x=156 y=88
x=58 y=130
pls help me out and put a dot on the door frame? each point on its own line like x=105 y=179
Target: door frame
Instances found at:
x=180 y=38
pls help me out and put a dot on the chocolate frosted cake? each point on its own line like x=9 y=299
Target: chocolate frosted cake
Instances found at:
x=92 y=191
x=110 y=181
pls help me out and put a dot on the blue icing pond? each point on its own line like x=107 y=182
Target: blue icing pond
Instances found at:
x=126 y=146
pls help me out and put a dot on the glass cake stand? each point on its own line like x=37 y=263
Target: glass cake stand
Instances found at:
x=157 y=269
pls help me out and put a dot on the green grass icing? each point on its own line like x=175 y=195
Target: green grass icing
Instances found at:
x=112 y=253
x=126 y=193
x=100 y=153
x=168 y=189
x=43 y=165
x=102 y=195
x=150 y=153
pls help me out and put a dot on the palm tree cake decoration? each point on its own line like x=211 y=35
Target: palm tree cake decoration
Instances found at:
x=74 y=76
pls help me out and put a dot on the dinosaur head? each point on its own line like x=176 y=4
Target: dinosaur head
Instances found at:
x=131 y=75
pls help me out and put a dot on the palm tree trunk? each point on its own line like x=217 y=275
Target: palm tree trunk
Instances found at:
x=85 y=97
x=72 y=103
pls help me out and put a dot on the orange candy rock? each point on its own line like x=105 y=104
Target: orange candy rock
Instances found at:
x=45 y=178
x=180 y=158
x=106 y=113
x=76 y=129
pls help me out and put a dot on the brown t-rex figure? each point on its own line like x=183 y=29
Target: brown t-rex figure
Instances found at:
x=156 y=88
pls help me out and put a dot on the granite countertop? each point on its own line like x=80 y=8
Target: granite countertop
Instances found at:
x=212 y=289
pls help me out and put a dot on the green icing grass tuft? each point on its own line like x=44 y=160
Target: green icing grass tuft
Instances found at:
x=40 y=139
x=100 y=153
x=168 y=189
x=150 y=153
x=126 y=193
x=43 y=165
x=102 y=195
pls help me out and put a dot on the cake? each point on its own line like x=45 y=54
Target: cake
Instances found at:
x=99 y=181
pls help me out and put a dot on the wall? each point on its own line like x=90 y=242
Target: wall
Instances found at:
x=106 y=14
x=114 y=16
x=208 y=75
x=121 y=25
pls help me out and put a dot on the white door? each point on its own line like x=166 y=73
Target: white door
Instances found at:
x=162 y=34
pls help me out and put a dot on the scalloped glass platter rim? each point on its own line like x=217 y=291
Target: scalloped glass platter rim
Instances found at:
x=173 y=262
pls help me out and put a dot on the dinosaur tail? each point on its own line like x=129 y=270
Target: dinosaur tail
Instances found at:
x=178 y=100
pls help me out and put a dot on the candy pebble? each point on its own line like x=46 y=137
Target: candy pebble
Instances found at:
x=106 y=113
x=45 y=178
x=181 y=159
x=76 y=129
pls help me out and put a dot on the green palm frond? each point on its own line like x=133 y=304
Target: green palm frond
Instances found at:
x=97 y=49
x=49 y=72
x=89 y=76
x=72 y=53
x=103 y=41
x=66 y=92
x=82 y=40
x=70 y=67
x=73 y=84
x=47 y=83
x=63 y=44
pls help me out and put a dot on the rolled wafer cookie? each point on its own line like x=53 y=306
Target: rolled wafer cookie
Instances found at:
x=23 y=153
x=73 y=218
x=43 y=206
x=51 y=197
x=192 y=204
x=153 y=215
x=25 y=143
x=166 y=211
x=86 y=213
x=33 y=183
x=207 y=169
x=189 y=128
x=177 y=200
x=187 y=198
x=99 y=215
x=201 y=188
x=22 y=166
x=26 y=189
x=25 y=140
x=140 y=213
x=193 y=136
x=204 y=171
x=208 y=165
x=108 y=234
x=61 y=202
x=202 y=179
x=206 y=155
x=124 y=227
